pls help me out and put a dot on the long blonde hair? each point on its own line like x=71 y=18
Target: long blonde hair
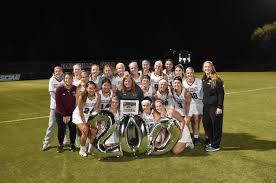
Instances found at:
x=213 y=75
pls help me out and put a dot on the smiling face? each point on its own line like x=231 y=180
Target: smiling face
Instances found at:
x=68 y=80
x=77 y=70
x=84 y=77
x=190 y=74
x=169 y=65
x=133 y=69
x=177 y=85
x=163 y=85
x=120 y=69
x=208 y=68
x=145 y=83
x=58 y=72
x=178 y=72
x=157 y=66
x=114 y=103
x=95 y=70
x=146 y=108
x=91 y=89
x=128 y=83
x=106 y=87
x=145 y=66
x=107 y=71
x=159 y=106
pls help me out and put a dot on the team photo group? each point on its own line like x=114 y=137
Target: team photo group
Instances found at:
x=160 y=107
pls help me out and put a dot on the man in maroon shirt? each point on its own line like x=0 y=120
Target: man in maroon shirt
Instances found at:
x=65 y=105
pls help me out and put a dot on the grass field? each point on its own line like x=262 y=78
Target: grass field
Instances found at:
x=248 y=152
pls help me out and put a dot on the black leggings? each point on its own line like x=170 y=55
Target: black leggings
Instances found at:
x=212 y=125
x=62 y=127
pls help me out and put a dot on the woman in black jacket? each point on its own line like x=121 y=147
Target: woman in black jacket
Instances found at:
x=213 y=89
x=129 y=90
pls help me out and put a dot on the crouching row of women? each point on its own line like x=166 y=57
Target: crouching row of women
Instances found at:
x=89 y=101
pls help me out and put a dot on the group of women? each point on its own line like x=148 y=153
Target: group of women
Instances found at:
x=164 y=92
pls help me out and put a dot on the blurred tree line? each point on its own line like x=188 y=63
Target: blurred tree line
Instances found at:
x=264 y=42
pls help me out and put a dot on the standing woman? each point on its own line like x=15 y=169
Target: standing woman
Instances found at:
x=129 y=90
x=157 y=74
x=169 y=70
x=81 y=88
x=88 y=102
x=164 y=93
x=106 y=94
x=65 y=105
x=114 y=108
x=55 y=81
x=181 y=97
x=107 y=73
x=76 y=74
x=118 y=77
x=146 y=87
x=145 y=68
x=95 y=73
x=133 y=67
x=179 y=71
x=194 y=86
x=213 y=97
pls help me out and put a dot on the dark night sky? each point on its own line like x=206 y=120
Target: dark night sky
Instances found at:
x=206 y=28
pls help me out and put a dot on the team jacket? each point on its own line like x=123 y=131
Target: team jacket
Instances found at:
x=212 y=96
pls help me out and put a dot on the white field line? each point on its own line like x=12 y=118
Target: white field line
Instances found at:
x=229 y=93
x=10 y=121
x=245 y=91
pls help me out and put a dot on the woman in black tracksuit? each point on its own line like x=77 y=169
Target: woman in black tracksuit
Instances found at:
x=213 y=106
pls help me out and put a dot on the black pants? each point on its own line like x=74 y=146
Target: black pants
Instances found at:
x=212 y=125
x=62 y=127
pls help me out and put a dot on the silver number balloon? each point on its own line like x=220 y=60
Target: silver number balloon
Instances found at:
x=173 y=132
x=133 y=134
x=106 y=120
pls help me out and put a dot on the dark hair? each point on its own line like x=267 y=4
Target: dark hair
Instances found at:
x=147 y=98
x=90 y=83
x=170 y=60
x=84 y=94
x=177 y=78
x=67 y=74
x=106 y=80
x=145 y=77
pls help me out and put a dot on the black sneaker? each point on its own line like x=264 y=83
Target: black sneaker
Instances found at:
x=206 y=142
x=196 y=141
x=73 y=148
x=60 y=149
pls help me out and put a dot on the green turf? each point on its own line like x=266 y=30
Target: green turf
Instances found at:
x=248 y=151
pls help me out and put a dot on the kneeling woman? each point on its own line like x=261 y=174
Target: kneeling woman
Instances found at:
x=149 y=116
x=185 y=137
x=114 y=109
x=88 y=102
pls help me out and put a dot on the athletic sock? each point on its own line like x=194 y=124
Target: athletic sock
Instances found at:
x=83 y=148
x=89 y=148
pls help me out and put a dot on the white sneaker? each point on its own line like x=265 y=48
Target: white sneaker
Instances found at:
x=65 y=141
x=45 y=146
x=190 y=145
x=212 y=149
x=82 y=152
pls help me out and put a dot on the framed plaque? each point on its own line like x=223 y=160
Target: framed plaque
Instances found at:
x=129 y=107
